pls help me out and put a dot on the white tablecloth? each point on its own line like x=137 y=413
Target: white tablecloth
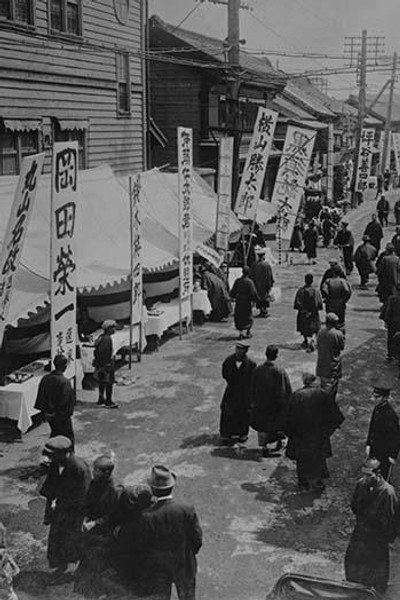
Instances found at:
x=156 y=325
x=201 y=302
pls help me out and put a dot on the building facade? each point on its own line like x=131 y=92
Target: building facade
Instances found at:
x=73 y=70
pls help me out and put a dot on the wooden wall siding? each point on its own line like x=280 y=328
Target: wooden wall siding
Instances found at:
x=175 y=101
x=48 y=77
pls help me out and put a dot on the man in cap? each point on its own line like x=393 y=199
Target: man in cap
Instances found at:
x=336 y=292
x=170 y=538
x=374 y=504
x=261 y=274
x=383 y=440
x=104 y=364
x=330 y=345
x=56 y=400
x=270 y=392
x=244 y=293
x=308 y=303
x=388 y=272
x=333 y=262
x=383 y=208
x=345 y=241
x=312 y=418
x=237 y=369
x=65 y=489
x=375 y=232
x=391 y=316
x=364 y=257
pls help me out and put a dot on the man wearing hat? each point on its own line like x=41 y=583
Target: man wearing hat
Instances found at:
x=170 y=538
x=345 y=241
x=104 y=364
x=336 y=292
x=270 y=392
x=333 y=263
x=244 y=293
x=56 y=399
x=330 y=345
x=65 y=489
x=383 y=209
x=364 y=257
x=383 y=440
x=388 y=272
x=261 y=274
x=375 y=506
x=237 y=370
x=391 y=316
x=311 y=420
x=375 y=232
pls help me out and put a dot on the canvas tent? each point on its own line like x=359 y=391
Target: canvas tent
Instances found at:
x=103 y=232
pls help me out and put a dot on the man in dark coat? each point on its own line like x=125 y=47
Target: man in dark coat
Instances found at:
x=245 y=294
x=345 y=241
x=375 y=232
x=375 y=506
x=336 y=292
x=261 y=274
x=310 y=238
x=383 y=208
x=333 y=264
x=388 y=273
x=330 y=345
x=104 y=364
x=396 y=241
x=364 y=257
x=237 y=371
x=170 y=538
x=308 y=303
x=383 y=440
x=56 y=400
x=217 y=294
x=396 y=210
x=270 y=392
x=65 y=489
x=313 y=416
x=391 y=316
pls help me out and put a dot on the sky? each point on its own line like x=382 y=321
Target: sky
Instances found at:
x=300 y=26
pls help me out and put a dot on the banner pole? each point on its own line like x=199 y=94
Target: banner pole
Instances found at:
x=180 y=317
x=131 y=273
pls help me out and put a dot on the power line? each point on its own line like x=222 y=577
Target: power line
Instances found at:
x=186 y=17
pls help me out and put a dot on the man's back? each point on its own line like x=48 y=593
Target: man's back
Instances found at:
x=55 y=395
x=330 y=343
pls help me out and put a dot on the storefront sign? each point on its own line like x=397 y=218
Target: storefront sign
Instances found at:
x=64 y=191
x=256 y=164
x=185 y=167
x=291 y=177
x=136 y=264
x=18 y=222
x=224 y=193
x=365 y=159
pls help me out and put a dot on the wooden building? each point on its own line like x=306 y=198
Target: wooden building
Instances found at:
x=188 y=87
x=73 y=70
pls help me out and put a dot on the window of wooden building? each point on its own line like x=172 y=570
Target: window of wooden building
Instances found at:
x=19 y=12
x=123 y=83
x=73 y=135
x=65 y=16
x=14 y=145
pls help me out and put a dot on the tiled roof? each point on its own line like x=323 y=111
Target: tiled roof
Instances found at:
x=304 y=92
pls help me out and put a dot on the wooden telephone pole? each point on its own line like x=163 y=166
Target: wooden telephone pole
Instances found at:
x=361 y=112
x=233 y=89
x=388 y=122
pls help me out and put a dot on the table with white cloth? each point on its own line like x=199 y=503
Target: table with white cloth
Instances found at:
x=164 y=315
x=201 y=302
x=17 y=400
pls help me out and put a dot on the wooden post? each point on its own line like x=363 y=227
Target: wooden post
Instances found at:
x=131 y=273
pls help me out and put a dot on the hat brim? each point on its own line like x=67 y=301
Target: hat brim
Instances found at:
x=162 y=487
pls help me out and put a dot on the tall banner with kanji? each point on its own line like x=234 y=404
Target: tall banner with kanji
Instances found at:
x=63 y=276
x=291 y=177
x=256 y=163
x=18 y=223
x=365 y=159
x=136 y=250
x=225 y=164
x=185 y=167
x=396 y=149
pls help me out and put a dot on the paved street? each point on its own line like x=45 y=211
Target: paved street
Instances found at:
x=256 y=525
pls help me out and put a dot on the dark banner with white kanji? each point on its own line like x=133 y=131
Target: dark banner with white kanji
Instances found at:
x=63 y=275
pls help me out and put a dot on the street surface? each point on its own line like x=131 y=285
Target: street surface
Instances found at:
x=256 y=525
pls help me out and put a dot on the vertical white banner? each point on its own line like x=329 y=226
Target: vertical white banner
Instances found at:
x=291 y=176
x=396 y=150
x=18 y=222
x=365 y=159
x=225 y=164
x=256 y=163
x=185 y=167
x=63 y=277
x=136 y=250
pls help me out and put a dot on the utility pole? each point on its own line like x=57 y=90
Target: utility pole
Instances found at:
x=233 y=89
x=388 y=122
x=361 y=112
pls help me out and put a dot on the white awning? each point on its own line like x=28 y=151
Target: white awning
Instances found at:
x=23 y=124
x=70 y=124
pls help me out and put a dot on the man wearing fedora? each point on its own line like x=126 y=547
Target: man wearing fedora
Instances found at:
x=383 y=440
x=261 y=274
x=171 y=537
x=104 y=364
